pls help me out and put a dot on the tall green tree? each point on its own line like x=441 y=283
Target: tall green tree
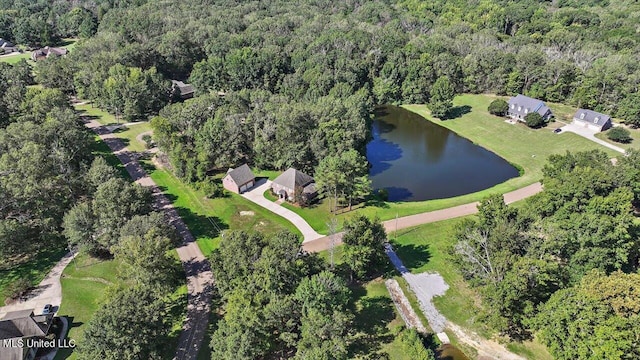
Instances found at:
x=364 y=245
x=441 y=99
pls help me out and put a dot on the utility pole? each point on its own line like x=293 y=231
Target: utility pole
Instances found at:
x=333 y=228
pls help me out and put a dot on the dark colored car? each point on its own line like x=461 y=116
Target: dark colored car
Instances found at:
x=558 y=130
x=47 y=309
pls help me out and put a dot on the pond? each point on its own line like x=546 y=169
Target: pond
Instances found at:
x=415 y=159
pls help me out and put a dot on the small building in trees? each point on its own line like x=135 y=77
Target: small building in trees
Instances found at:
x=46 y=52
x=295 y=186
x=18 y=330
x=181 y=90
x=6 y=47
x=520 y=106
x=592 y=120
x=239 y=180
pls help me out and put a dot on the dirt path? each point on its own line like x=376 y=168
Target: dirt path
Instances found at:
x=196 y=266
x=49 y=291
x=401 y=302
x=426 y=286
x=324 y=243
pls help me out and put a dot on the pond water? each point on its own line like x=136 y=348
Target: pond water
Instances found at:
x=415 y=159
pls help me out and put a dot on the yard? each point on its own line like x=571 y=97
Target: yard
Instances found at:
x=425 y=249
x=635 y=139
x=84 y=285
x=528 y=149
x=68 y=44
x=207 y=217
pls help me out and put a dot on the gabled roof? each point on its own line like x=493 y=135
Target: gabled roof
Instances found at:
x=185 y=89
x=23 y=324
x=241 y=175
x=591 y=116
x=5 y=44
x=293 y=178
x=526 y=105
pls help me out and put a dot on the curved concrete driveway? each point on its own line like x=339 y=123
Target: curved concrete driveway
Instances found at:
x=49 y=291
x=256 y=195
x=590 y=135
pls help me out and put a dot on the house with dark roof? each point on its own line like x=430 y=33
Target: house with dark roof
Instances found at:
x=520 y=106
x=239 y=180
x=7 y=47
x=592 y=120
x=182 y=90
x=293 y=183
x=18 y=329
x=46 y=52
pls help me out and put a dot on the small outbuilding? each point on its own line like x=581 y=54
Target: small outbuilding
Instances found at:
x=182 y=90
x=7 y=47
x=292 y=184
x=46 y=52
x=520 y=106
x=592 y=120
x=239 y=180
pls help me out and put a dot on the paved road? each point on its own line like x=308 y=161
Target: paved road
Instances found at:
x=196 y=266
x=49 y=291
x=404 y=222
x=590 y=135
x=256 y=195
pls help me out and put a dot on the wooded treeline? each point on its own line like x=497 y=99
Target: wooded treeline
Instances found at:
x=535 y=264
x=584 y=53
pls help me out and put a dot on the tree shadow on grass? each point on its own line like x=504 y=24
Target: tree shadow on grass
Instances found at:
x=370 y=322
x=457 y=111
x=413 y=256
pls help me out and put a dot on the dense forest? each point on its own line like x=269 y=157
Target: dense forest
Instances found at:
x=314 y=70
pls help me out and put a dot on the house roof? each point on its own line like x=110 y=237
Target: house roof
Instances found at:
x=591 y=116
x=523 y=105
x=185 y=89
x=293 y=178
x=5 y=44
x=23 y=324
x=46 y=51
x=241 y=175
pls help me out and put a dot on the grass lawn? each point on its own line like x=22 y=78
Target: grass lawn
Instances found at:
x=96 y=114
x=12 y=59
x=634 y=144
x=68 y=44
x=33 y=268
x=130 y=133
x=425 y=248
x=207 y=217
x=84 y=284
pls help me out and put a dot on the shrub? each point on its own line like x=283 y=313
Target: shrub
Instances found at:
x=619 y=134
x=533 y=120
x=498 y=107
x=148 y=141
x=211 y=188
x=413 y=346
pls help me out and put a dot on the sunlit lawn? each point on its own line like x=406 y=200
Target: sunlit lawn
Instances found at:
x=129 y=136
x=635 y=139
x=97 y=114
